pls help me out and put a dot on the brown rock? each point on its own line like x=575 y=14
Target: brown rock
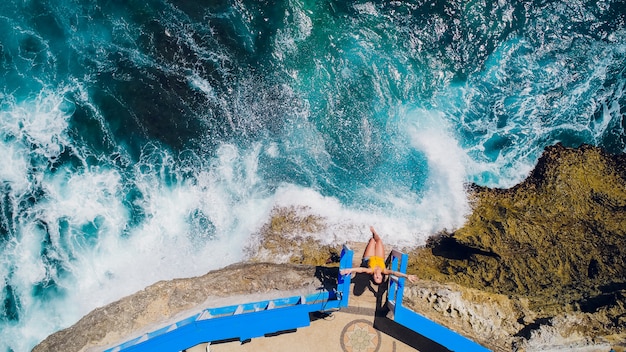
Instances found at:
x=557 y=239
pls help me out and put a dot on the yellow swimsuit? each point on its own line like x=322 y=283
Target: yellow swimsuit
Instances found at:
x=375 y=261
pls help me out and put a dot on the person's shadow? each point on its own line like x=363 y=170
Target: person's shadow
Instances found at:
x=363 y=281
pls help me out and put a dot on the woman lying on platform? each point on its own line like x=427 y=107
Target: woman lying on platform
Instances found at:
x=374 y=263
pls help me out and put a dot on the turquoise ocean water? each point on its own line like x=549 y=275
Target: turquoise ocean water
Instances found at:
x=148 y=140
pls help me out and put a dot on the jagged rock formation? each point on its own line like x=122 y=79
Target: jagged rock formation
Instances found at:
x=487 y=318
x=557 y=239
x=286 y=238
x=506 y=323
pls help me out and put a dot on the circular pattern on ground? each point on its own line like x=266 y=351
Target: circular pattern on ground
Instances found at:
x=360 y=336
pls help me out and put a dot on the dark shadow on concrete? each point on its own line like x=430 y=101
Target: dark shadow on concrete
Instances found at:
x=381 y=299
x=278 y=333
x=327 y=276
x=216 y=342
x=362 y=281
x=406 y=335
x=313 y=316
x=399 y=332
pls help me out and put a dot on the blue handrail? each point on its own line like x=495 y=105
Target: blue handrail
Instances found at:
x=244 y=321
x=416 y=322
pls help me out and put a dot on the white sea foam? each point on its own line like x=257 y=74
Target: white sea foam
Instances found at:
x=343 y=224
x=15 y=166
x=166 y=245
x=366 y=8
x=297 y=29
x=411 y=216
x=445 y=203
x=39 y=122
x=505 y=126
x=85 y=214
x=33 y=133
x=203 y=85
x=83 y=220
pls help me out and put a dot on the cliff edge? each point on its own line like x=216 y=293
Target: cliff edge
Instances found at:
x=176 y=299
x=554 y=242
x=539 y=266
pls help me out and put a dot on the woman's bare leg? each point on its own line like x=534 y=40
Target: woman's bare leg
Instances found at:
x=379 y=249
x=374 y=234
x=370 y=249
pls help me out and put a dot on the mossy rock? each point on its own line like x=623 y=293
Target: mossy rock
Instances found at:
x=290 y=234
x=557 y=238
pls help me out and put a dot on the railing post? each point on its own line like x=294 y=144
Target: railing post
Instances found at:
x=395 y=291
x=421 y=325
x=343 y=281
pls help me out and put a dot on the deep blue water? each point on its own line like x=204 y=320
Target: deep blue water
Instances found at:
x=146 y=140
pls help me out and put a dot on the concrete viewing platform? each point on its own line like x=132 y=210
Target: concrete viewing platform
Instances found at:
x=362 y=326
x=349 y=329
x=352 y=315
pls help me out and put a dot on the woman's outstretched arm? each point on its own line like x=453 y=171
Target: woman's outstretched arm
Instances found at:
x=411 y=278
x=355 y=270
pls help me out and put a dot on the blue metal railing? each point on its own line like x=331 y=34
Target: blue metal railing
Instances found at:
x=244 y=321
x=408 y=318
